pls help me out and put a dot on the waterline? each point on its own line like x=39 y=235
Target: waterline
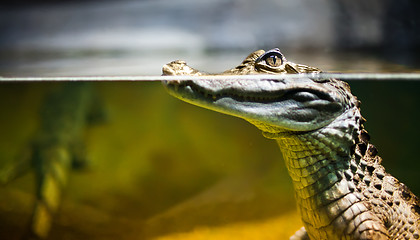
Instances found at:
x=342 y=76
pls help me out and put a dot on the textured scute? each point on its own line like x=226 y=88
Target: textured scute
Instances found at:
x=389 y=199
x=373 y=235
x=342 y=190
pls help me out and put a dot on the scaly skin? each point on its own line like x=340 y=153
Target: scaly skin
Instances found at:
x=341 y=188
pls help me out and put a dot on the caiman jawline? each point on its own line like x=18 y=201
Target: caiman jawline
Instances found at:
x=242 y=96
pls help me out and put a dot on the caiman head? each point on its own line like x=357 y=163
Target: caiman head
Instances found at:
x=273 y=105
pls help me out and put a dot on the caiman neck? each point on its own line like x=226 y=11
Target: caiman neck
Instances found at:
x=319 y=163
x=318 y=155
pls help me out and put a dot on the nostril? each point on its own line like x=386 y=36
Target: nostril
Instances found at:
x=182 y=62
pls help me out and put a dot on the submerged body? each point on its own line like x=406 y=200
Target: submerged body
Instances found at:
x=341 y=188
x=57 y=148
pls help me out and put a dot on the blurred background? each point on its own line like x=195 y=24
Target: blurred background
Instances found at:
x=50 y=37
x=162 y=169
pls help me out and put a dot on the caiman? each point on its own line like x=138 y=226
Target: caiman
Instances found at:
x=56 y=148
x=341 y=188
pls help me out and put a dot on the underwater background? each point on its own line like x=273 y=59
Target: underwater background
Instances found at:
x=162 y=169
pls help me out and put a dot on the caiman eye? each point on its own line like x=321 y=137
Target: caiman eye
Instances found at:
x=272 y=58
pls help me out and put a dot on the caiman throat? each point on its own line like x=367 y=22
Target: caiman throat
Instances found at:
x=341 y=188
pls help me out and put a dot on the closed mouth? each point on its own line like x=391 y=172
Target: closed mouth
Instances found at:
x=241 y=96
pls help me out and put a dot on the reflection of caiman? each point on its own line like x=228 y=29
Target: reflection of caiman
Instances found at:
x=341 y=188
x=57 y=147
